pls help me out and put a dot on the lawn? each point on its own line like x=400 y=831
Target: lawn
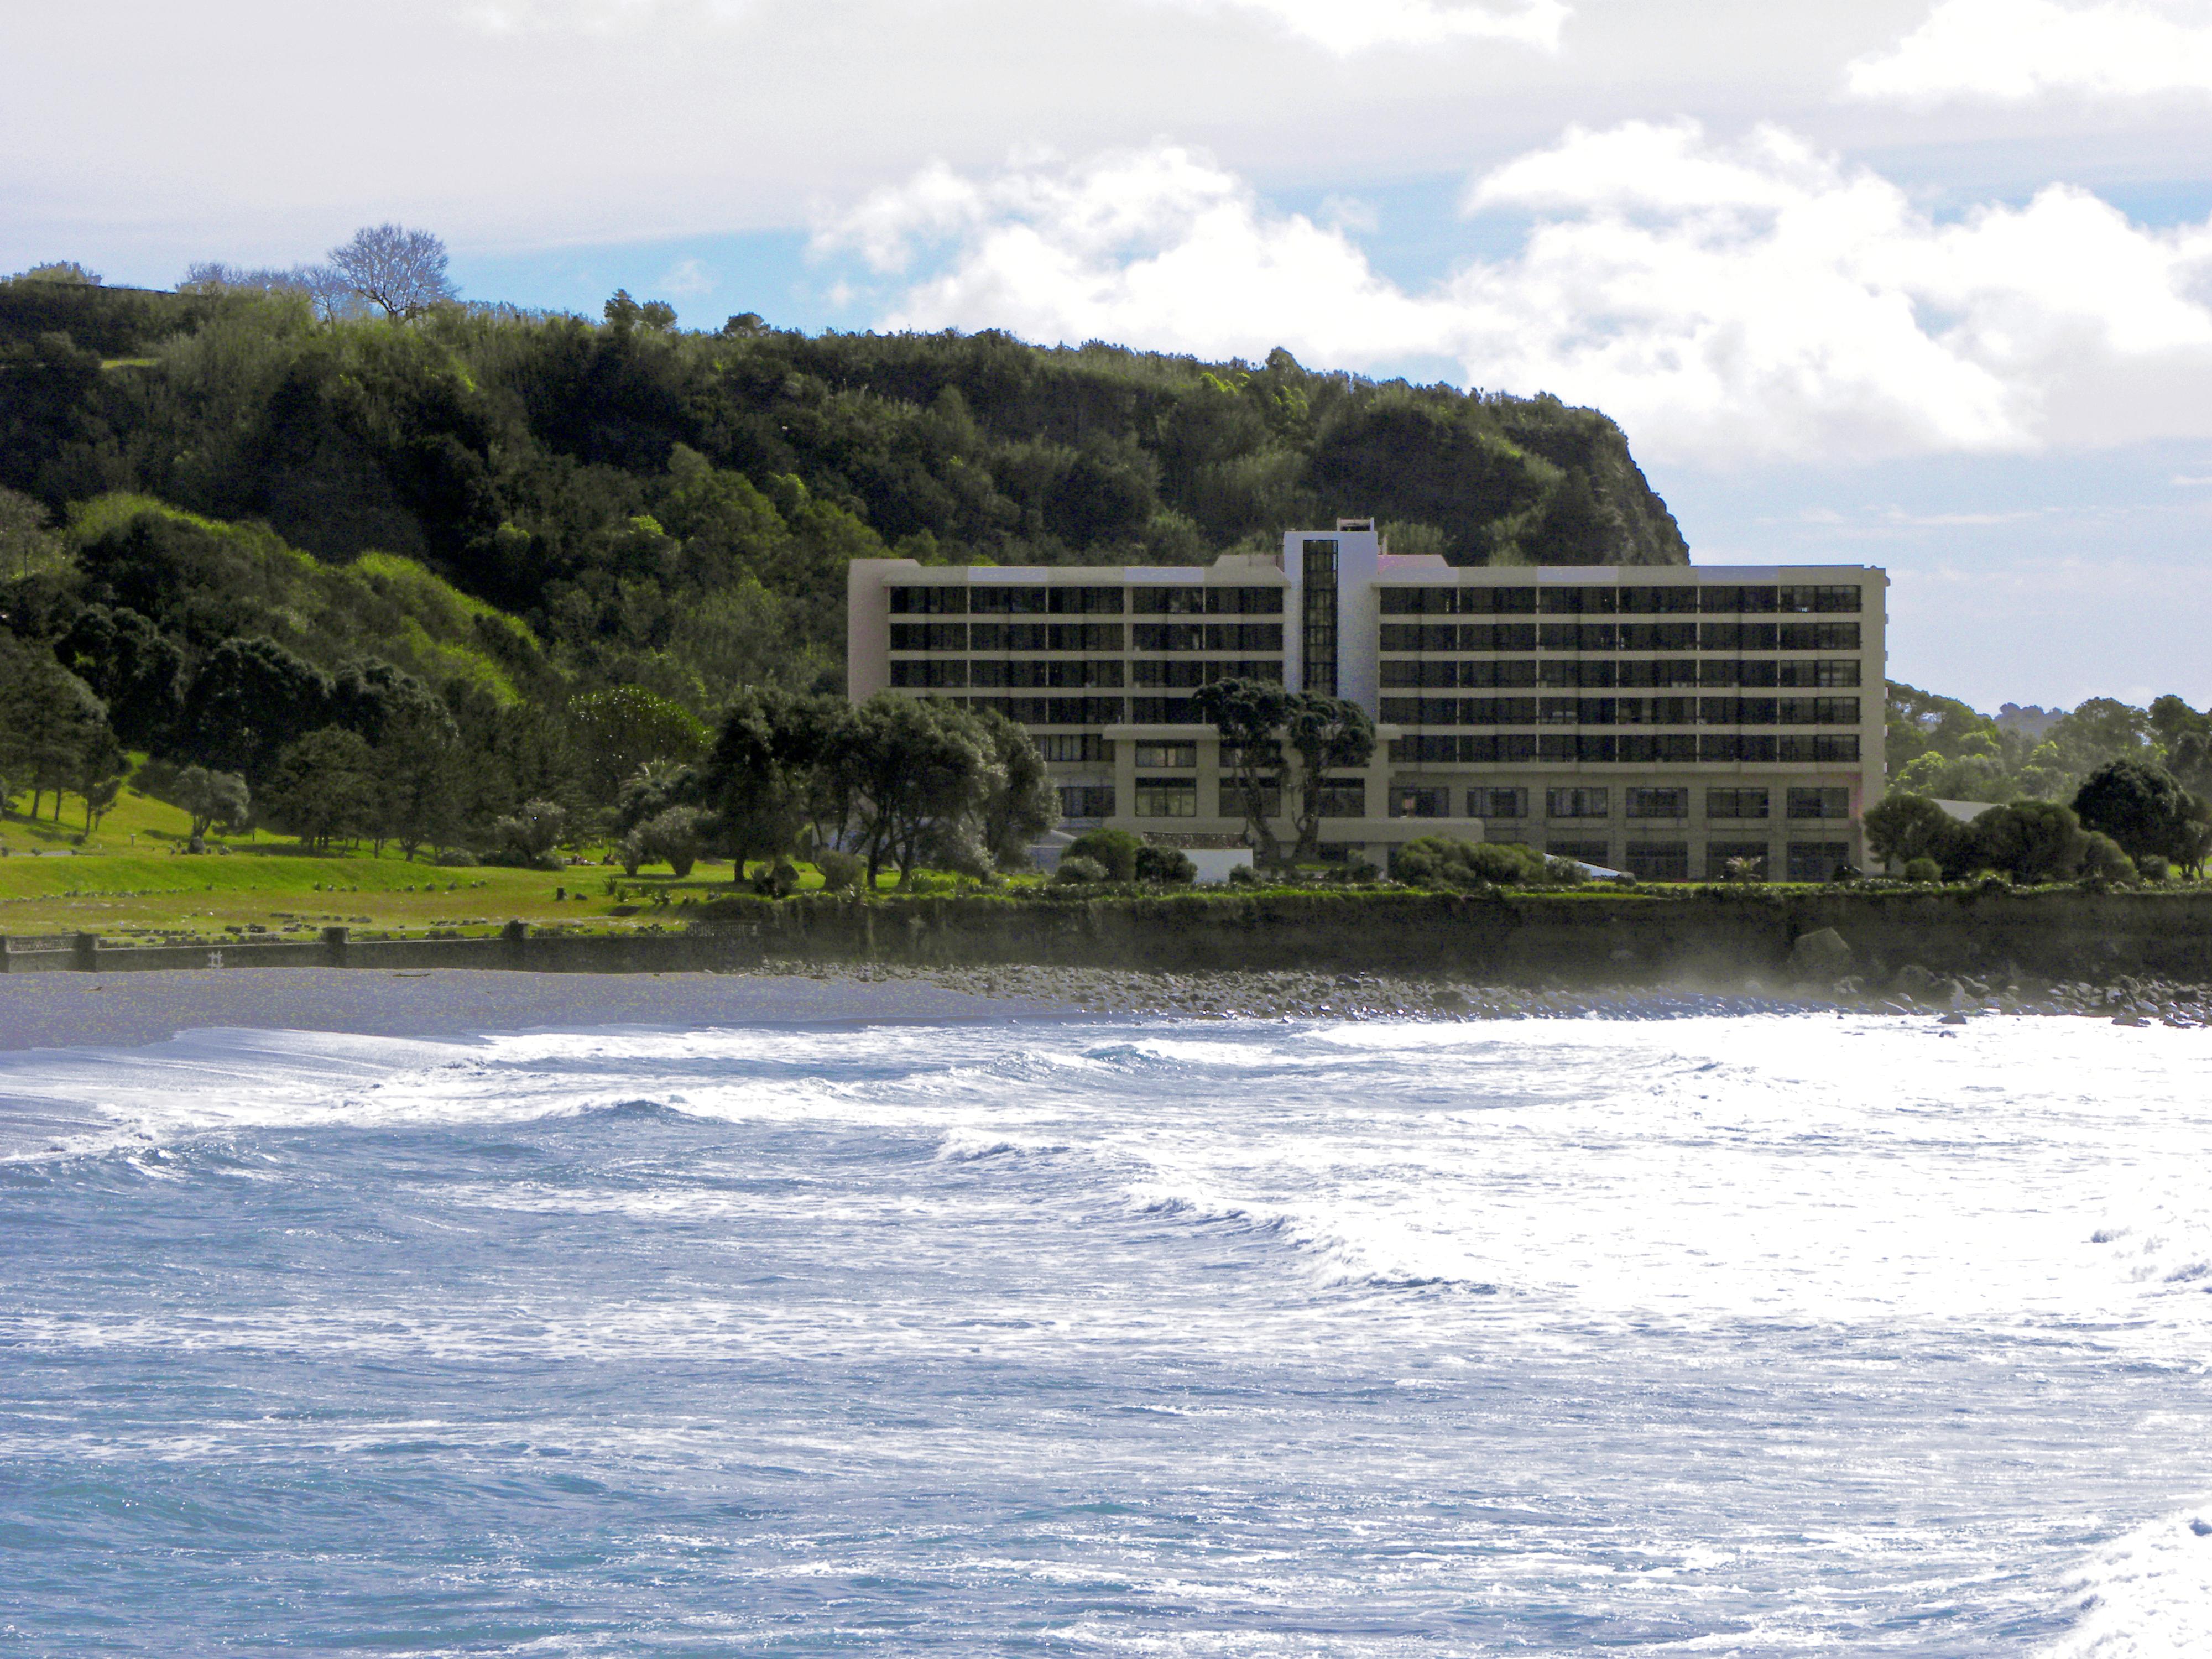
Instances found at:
x=131 y=880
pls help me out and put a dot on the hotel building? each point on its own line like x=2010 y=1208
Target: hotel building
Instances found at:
x=1662 y=719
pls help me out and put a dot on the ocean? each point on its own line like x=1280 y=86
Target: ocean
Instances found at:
x=1771 y=1334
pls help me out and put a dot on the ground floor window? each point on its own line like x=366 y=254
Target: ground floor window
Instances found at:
x=1420 y=801
x=1492 y=803
x=1167 y=797
x=1086 y=800
x=1577 y=803
x=1344 y=797
x=1658 y=803
x=1817 y=861
x=1735 y=860
x=1820 y=803
x=1582 y=852
x=1659 y=860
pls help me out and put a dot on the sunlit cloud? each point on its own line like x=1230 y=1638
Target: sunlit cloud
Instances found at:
x=2014 y=50
x=1727 y=301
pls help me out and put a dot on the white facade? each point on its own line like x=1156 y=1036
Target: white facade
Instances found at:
x=1664 y=720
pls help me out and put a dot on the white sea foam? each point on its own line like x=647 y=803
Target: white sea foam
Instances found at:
x=2148 y=1595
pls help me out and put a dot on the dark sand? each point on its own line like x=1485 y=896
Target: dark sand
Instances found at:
x=70 y=1010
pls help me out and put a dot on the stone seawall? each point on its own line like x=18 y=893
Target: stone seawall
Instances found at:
x=1714 y=935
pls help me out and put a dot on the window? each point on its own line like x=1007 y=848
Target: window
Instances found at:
x=1074 y=749
x=1817 y=861
x=1009 y=601
x=1730 y=746
x=1820 y=637
x=1420 y=801
x=1578 y=636
x=1735 y=803
x=1736 y=636
x=1839 y=673
x=1497 y=601
x=1430 y=750
x=1030 y=674
x=929 y=674
x=1083 y=601
x=1724 y=600
x=1320 y=619
x=1399 y=673
x=1584 y=674
x=1232 y=799
x=1720 y=854
x=1658 y=860
x=1058 y=711
x=1168 y=637
x=1557 y=711
x=1680 y=671
x=1344 y=797
x=1760 y=671
x=1658 y=803
x=1820 y=803
x=1086 y=800
x=1185 y=675
x=1820 y=599
x=1270 y=669
x=1244 y=602
x=1187 y=600
x=929 y=636
x=1577 y=803
x=1581 y=852
x=1491 y=802
x=1261 y=754
x=1418 y=601
x=1244 y=636
x=933 y=601
x=1658 y=601
x=1168 y=755
x=1162 y=711
x=1167 y=797
x=1659 y=636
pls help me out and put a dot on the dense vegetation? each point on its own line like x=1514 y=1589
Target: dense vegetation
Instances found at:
x=1941 y=748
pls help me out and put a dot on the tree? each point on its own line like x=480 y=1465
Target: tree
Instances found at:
x=1019 y=803
x=762 y=777
x=921 y=770
x=97 y=775
x=419 y=779
x=2140 y=806
x=400 y=271
x=2031 y=841
x=28 y=547
x=211 y=798
x=1247 y=714
x=675 y=837
x=533 y=831
x=323 y=788
x=619 y=730
x=48 y=720
x=251 y=700
x=1903 y=828
x=1326 y=733
x=132 y=665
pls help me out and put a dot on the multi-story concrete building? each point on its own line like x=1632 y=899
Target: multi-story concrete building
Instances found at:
x=1661 y=719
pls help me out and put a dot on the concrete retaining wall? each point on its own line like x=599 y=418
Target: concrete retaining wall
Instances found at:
x=1716 y=935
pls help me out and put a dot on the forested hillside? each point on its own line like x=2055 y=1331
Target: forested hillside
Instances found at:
x=543 y=551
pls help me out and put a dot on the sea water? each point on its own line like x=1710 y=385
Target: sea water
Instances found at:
x=1760 y=1335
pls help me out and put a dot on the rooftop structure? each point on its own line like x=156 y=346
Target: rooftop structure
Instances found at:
x=1661 y=719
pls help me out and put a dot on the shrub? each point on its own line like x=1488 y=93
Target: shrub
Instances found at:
x=776 y=880
x=1244 y=875
x=672 y=837
x=1443 y=861
x=529 y=834
x=1075 y=867
x=1114 y=851
x=1923 y=870
x=455 y=858
x=2029 y=840
x=2154 y=867
x=1565 y=872
x=2104 y=862
x=1167 y=864
x=841 y=872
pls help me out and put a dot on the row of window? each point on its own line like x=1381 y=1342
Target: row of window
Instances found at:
x=1600 y=673
x=1510 y=801
x=1347 y=798
x=1188 y=600
x=1620 y=711
x=1620 y=636
x=1678 y=748
x=1674 y=599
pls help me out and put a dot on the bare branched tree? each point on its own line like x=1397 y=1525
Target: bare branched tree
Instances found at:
x=331 y=295
x=402 y=272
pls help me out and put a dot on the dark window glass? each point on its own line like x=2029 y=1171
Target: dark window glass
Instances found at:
x=1008 y=601
x=936 y=600
x=1187 y=599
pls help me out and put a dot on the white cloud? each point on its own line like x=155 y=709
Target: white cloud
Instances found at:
x=1341 y=26
x=1347 y=26
x=2012 y=50
x=686 y=278
x=1728 y=302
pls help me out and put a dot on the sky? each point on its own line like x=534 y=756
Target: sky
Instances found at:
x=1919 y=284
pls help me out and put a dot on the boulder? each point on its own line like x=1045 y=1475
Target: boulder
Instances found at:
x=1821 y=954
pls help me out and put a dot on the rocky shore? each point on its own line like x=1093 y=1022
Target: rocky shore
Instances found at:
x=2126 y=999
